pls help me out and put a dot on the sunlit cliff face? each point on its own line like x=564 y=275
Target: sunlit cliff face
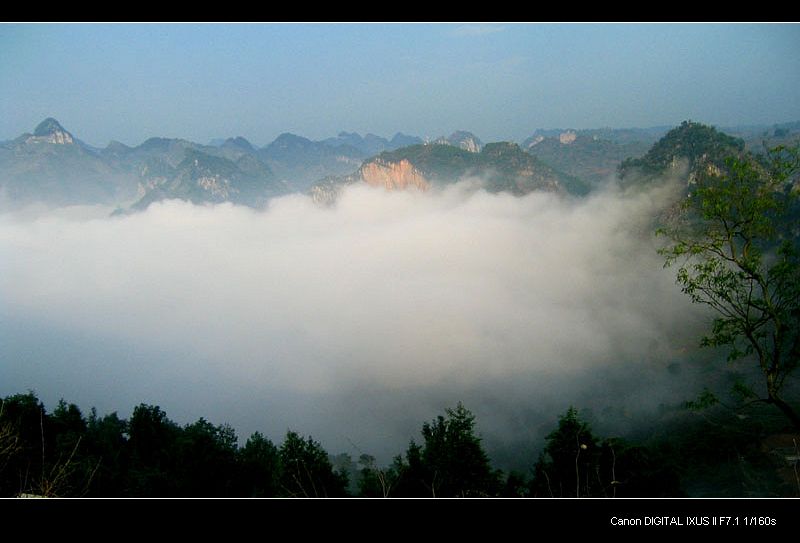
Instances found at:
x=393 y=175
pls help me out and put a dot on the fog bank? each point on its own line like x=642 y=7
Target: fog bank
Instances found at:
x=354 y=323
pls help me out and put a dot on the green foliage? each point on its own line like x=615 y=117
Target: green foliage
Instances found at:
x=22 y=420
x=376 y=482
x=71 y=469
x=504 y=166
x=64 y=453
x=435 y=160
x=565 y=467
x=454 y=456
x=259 y=467
x=577 y=464
x=705 y=400
x=208 y=459
x=451 y=463
x=413 y=476
x=697 y=143
x=106 y=445
x=306 y=470
x=43 y=454
x=717 y=452
x=152 y=447
x=736 y=249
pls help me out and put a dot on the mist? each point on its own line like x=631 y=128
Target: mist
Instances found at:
x=354 y=323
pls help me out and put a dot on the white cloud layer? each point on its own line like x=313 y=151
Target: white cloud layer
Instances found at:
x=354 y=323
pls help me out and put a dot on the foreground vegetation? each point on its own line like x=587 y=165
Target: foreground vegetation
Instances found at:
x=62 y=453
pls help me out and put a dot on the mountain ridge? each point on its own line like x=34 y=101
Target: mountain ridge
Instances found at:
x=53 y=166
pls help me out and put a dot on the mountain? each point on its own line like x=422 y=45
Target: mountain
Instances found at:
x=402 y=140
x=204 y=178
x=238 y=144
x=176 y=168
x=302 y=162
x=52 y=166
x=588 y=157
x=683 y=151
x=51 y=131
x=500 y=167
x=644 y=137
x=367 y=146
x=299 y=162
x=371 y=145
x=463 y=140
x=757 y=138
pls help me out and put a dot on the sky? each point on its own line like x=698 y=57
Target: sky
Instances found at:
x=124 y=82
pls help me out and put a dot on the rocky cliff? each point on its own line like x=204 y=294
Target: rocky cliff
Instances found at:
x=393 y=175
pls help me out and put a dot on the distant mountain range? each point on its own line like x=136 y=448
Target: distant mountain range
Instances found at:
x=51 y=165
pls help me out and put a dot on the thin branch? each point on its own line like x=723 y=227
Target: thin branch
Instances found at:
x=796 y=462
x=547 y=478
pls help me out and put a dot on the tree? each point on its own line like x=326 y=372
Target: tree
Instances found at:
x=107 y=443
x=258 y=467
x=71 y=470
x=153 y=452
x=565 y=467
x=450 y=463
x=207 y=459
x=306 y=470
x=455 y=456
x=736 y=246
x=374 y=482
x=575 y=463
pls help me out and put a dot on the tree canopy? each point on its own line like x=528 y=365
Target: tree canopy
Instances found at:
x=736 y=249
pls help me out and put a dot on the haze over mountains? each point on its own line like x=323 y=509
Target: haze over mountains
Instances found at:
x=344 y=230
x=489 y=273
x=53 y=166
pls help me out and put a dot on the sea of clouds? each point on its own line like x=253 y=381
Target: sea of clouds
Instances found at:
x=354 y=323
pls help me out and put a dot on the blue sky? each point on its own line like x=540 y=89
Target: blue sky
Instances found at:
x=130 y=82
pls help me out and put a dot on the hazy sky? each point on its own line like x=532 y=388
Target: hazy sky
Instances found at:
x=130 y=82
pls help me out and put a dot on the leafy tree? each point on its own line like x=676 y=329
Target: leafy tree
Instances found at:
x=43 y=454
x=22 y=429
x=306 y=470
x=10 y=445
x=70 y=468
x=577 y=464
x=153 y=450
x=27 y=427
x=736 y=247
x=107 y=444
x=375 y=482
x=413 y=476
x=450 y=463
x=259 y=468
x=455 y=457
x=207 y=459
x=565 y=467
